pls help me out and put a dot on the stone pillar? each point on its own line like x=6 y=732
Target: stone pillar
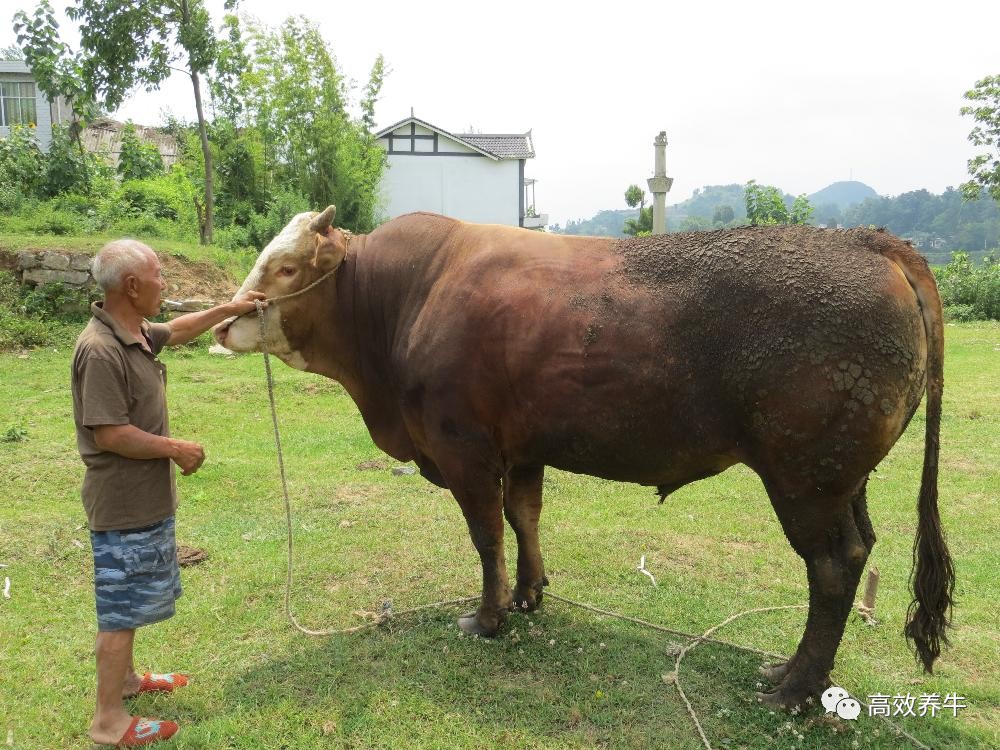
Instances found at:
x=659 y=183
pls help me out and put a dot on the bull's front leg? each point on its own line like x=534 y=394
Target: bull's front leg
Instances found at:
x=522 y=505
x=483 y=514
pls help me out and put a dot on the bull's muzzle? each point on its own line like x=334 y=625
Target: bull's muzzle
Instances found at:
x=221 y=331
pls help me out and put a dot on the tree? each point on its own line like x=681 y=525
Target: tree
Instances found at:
x=695 y=224
x=984 y=168
x=766 y=206
x=296 y=99
x=635 y=196
x=227 y=82
x=723 y=214
x=643 y=225
x=372 y=90
x=130 y=44
x=802 y=211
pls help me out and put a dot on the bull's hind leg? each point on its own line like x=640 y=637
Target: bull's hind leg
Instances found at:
x=823 y=530
x=475 y=483
x=522 y=504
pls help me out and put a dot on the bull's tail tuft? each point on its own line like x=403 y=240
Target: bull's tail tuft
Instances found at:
x=933 y=575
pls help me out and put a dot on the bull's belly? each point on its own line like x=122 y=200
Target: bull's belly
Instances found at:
x=631 y=440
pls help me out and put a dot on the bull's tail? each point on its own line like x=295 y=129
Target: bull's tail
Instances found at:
x=933 y=575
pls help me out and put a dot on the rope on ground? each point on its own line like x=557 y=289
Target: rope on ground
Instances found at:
x=387 y=611
x=701 y=639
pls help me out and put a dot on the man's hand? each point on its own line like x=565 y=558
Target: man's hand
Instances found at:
x=187 y=455
x=129 y=441
x=246 y=303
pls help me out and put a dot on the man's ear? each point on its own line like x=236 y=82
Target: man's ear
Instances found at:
x=331 y=248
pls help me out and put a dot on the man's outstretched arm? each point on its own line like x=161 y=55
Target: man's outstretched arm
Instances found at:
x=190 y=326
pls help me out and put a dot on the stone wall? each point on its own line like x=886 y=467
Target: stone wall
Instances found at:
x=35 y=267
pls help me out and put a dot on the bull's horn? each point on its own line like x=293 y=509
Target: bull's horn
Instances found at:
x=323 y=221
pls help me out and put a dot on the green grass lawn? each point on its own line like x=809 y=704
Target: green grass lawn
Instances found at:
x=557 y=678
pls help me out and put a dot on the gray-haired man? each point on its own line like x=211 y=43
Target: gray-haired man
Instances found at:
x=129 y=490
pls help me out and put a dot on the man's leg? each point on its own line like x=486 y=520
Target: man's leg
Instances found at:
x=114 y=657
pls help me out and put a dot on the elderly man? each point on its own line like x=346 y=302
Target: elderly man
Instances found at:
x=129 y=490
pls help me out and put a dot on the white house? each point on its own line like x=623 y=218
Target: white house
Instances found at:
x=22 y=103
x=470 y=176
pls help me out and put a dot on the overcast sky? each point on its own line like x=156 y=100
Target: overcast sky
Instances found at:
x=795 y=94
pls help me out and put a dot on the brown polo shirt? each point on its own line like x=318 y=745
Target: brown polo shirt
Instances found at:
x=117 y=381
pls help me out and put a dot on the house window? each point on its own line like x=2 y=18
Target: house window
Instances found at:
x=17 y=103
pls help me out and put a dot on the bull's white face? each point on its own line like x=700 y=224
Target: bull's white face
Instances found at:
x=290 y=262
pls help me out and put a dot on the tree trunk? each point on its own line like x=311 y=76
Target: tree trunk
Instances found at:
x=207 y=230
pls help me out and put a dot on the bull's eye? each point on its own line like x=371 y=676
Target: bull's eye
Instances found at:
x=286 y=271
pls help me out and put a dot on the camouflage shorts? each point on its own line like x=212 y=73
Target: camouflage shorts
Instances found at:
x=136 y=579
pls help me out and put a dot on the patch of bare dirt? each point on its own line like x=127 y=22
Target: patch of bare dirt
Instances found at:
x=377 y=463
x=188 y=279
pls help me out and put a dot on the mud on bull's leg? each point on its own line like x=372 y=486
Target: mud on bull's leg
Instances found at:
x=827 y=537
x=522 y=505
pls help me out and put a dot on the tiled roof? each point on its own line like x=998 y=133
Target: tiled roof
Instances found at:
x=505 y=146
x=495 y=145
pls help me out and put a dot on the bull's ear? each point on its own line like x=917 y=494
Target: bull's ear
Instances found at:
x=331 y=247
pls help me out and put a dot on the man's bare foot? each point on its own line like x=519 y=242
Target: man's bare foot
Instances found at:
x=108 y=730
x=140 y=732
x=131 y=687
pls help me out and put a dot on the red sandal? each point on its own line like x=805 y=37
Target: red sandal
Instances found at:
x=161 y=683
x=142 y=732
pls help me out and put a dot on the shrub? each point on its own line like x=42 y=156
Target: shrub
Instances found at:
x=42 y=217
x=157 y=198
x=22 y=333
x=959 y=313
x=968 y=291
x=47 y=315
x=11 y=198
x=66 y=169
x=138 y=159
x=10 y=291
x=234 y=237
x=14 y=435
x=56 y=301
x=22 y=163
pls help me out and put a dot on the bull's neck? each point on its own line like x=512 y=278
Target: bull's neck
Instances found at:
x=363 y=326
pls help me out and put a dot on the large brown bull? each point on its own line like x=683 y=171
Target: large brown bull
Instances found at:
x=485 y=353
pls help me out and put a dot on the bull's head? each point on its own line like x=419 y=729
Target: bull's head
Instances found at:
x=306 y=249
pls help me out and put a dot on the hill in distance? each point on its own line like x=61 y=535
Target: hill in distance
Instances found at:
x=843 y=194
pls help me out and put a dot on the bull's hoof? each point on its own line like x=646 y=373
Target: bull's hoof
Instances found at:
x=527 y=598
x=476 y=623
x=780 y=699
x=792 y=694
x=775 y=673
